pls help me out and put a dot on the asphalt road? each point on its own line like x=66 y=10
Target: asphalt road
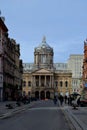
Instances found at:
x=43 y=116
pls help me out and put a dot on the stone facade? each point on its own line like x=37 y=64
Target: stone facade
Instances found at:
x=10 y=65
x=84 y=78
x=85 y=62
x=42 y=79
x=75 y=63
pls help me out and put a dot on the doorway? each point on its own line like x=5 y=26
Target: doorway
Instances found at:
x=37 y=94
x=48 y=95
x=42 y=95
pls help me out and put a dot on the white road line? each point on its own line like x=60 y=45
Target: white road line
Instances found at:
x=44 y=108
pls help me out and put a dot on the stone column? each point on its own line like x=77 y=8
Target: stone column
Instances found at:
x=45 y=80
x=39 y=80
x=36 y=59
x=34 y=82
x=45 y=94
x=53 y=81
x=50 y=81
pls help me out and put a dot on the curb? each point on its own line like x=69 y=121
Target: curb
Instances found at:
x=76 y=124
x=16 y=110
x=79 y=124
x=69 y=120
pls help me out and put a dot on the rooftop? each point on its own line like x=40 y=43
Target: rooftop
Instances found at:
x=43 y=44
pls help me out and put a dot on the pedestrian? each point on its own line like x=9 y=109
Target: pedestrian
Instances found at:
x=71 y=98
x=65 y=99
x=68 y=100
x=55 y=100
x=78 y=101
x=61 y=100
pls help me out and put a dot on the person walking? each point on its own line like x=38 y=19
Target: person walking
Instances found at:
x=78 y=100
x=55 y=100
x=65 y=99
x=61 y=100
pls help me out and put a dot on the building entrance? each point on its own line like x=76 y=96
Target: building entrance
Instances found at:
x=42 y=95
x=37 y=94
x=48 y=95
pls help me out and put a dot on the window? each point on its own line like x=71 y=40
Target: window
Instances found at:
x=24 y=93
x=28 y=93
x=29 y=83
x=37 y=83
x=56 y=83
x=61 y=83
x=47 y=84
x=24 y=83
x=66 y=84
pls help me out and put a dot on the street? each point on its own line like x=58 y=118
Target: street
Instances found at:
x=44 y=115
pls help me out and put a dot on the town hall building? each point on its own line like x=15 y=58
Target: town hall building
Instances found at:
x=44 y=78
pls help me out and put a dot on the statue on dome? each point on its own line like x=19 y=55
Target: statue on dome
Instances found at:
x=44 y=39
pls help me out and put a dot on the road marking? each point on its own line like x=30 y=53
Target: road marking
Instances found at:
x=44 y=108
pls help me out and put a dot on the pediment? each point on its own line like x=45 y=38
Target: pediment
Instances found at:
x=42 y=71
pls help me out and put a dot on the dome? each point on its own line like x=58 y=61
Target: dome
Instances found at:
x=44 y=44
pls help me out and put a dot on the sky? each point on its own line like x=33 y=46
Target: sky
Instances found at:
x=62 y=22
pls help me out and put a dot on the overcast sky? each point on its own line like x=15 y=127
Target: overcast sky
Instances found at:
x=63 y=22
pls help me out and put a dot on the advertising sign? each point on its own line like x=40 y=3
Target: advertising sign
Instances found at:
x=85 y=85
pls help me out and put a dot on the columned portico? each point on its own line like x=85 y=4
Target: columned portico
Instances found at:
x=42 y=81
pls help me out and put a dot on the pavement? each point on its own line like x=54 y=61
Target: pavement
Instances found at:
x=5 y=112
x=77 y=117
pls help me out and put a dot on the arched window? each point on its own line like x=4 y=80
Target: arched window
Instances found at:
x=61 y=83
x=56 y=84
x=29 y=83
x=24 y=83
x=66 y=83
